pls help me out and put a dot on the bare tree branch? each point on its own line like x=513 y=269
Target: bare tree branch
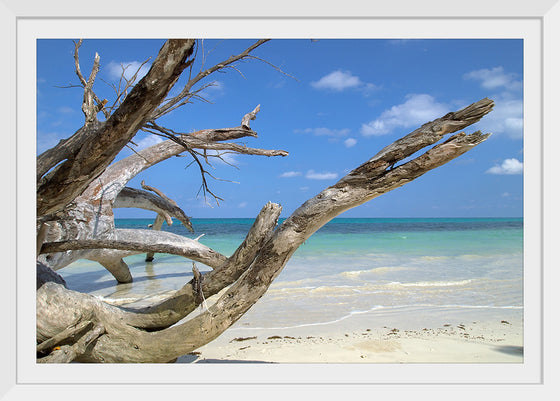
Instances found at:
x=236 y=148
x=64 y=335
x=157 y=224
x=128 y=83
x=141 y=241
x=77 y=63
x=158 y=192
x=245 y=122
x=68 y=353
x=135 y=198
x=89 y=106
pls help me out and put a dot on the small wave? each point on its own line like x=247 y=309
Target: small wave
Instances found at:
x=469 y=256
x=458 y=306
x=387 y=308
x=364 y=292
x=354 y=273
x=434 y=257
x=289 y=289
x=358 y=312
x=483 y=306
x=431 y=283
x=325 y=288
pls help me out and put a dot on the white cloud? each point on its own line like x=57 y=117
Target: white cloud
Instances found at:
x=350 y=142
x=242 y=204
x=369 y=87
x=340 y=80
x=415 y=111
x=148 y=141
x=312 y=175
x=66 y=110
x=214 y=90
x=494 y=78
x=46 y=141
x=115 y=69
x=506 y=117
x=324 y=132
x=225 y=157
x=508 y=166
x=289 y=174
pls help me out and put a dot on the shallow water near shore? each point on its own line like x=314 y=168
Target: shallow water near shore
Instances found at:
x=349 y=268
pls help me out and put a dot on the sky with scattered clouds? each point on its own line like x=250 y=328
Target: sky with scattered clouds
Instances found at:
x=336 y=104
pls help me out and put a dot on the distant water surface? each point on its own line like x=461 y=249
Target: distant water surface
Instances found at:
x=349 y=266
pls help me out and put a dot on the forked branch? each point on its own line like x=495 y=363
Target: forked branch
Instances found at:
x=91 y=104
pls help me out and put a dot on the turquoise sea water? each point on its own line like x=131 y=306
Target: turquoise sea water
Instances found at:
x=349 y=266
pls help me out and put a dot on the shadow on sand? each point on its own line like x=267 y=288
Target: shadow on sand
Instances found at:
x=511 y=349
x=190 y=358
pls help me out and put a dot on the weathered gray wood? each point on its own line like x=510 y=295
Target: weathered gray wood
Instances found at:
x=45 y=274
x=68 y=353
x=117 y=267
x=136 y=198
x=140 y=241
x=64 y=335
x=158 y=223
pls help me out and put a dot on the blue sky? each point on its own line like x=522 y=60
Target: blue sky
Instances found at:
x=343 y=101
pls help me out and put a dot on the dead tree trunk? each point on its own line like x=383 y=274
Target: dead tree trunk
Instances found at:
x=75 y=326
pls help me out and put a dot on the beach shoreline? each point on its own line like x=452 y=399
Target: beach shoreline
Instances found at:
x=412 y=335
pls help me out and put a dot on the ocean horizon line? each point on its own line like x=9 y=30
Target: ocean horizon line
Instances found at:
x=343 y=218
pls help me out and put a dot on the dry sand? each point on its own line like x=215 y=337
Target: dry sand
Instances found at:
x=411 y=335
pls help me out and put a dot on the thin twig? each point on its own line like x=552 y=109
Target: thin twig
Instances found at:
x=203 y=74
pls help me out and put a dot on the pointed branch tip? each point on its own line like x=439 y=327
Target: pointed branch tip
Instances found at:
x=245 y=122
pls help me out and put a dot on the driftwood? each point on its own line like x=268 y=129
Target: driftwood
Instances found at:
x=75 y=326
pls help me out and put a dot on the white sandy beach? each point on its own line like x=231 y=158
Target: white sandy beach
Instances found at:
x=410 y=335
